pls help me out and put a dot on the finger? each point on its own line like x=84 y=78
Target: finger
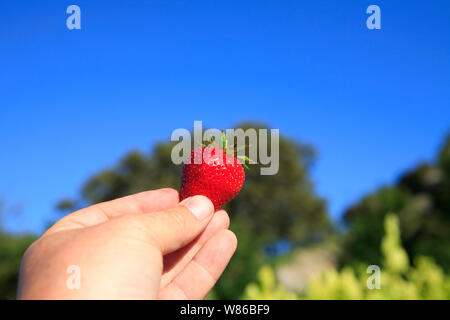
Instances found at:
x=174 y=228
x=175 y=262
x=200 y=275
x=143 y=202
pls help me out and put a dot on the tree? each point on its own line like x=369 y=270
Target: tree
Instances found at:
x=268 y=208
x=422 y=199
x=12 y=248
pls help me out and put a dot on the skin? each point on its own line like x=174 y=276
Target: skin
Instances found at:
x=144 y=246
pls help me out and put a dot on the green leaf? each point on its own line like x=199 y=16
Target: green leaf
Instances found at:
x=224 y=141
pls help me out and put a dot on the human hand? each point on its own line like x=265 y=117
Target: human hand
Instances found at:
x=144 y=246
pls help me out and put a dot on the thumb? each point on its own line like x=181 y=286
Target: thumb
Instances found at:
x=174 y=228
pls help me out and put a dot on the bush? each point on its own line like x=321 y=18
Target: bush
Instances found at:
x=398 y=278
x=11 y=250
x=267 y=288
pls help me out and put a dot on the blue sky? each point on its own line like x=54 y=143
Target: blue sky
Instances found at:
x=372 y=102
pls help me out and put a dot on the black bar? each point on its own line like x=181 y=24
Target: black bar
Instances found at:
x=217 y=309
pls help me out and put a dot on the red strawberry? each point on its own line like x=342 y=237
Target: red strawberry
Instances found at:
x=219 y=176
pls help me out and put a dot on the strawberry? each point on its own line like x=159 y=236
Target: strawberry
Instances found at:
x=219 y=176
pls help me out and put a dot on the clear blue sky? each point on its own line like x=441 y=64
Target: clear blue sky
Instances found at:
x=373 y=102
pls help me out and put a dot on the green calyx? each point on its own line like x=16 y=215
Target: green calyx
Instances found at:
x=223 y=144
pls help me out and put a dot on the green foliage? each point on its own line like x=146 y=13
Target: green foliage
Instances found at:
x=395 y=257
x=12 y=248
x=335 y=285
x=267 y=288
x=421 y=199
x=362 y=241
x=398 y=279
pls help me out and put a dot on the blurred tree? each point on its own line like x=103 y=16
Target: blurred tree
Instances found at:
x=268 y=207
x=422 y=199
x=12 y=248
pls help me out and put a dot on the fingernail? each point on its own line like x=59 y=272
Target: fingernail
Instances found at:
x=200 y=206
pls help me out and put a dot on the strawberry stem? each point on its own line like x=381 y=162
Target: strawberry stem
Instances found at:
x=224 y=141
